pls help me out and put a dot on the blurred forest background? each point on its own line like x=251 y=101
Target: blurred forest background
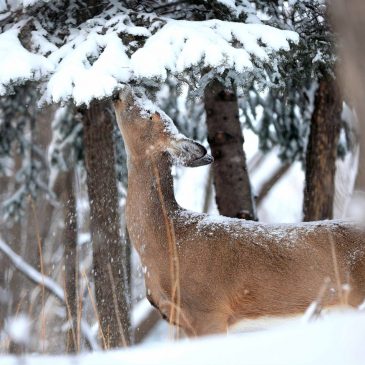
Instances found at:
x=286 y=148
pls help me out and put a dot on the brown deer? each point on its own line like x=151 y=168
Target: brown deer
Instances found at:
x=205 y=273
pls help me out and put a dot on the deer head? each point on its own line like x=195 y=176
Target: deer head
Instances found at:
x=148 y=132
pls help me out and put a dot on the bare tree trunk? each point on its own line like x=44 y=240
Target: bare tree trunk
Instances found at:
x=70 y=258
x=348 y=20
x=108 y=257
x=10 y=288
x=322 y=153
x=231 y=180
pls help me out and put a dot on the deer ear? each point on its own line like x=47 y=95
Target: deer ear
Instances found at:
x=187 y=152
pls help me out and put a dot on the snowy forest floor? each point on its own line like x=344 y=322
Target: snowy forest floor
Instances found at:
x=337 y=338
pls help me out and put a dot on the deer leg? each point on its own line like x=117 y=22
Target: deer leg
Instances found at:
x=208 y=324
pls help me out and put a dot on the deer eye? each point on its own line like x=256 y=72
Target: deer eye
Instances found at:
x=155 y=117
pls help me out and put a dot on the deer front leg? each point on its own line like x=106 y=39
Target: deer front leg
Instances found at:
x=207 y=323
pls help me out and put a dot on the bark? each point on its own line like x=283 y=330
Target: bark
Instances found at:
x=348 y=20
x=231 y=180
x=322 y=152
x=70 y=258
x=108 y=256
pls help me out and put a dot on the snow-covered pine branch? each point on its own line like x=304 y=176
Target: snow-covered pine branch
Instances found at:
x=49 y=284
x=92 y=59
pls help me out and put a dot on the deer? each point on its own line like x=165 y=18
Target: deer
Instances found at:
x=206 y=273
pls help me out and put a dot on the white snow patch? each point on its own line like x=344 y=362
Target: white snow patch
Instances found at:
x=17 y=63
x=92 y=61
x=18 y=328
x=182 y=44
x=336 y=339
x=140 y=312
x=91 y=66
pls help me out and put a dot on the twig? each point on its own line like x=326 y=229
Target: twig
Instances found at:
x=115 y=301
x=70 y=319
x=49 y=284
x=273 y=179
x=315 y=308
x=43 y=318
x=337 y=270
x=174 y=258
x=96 y=313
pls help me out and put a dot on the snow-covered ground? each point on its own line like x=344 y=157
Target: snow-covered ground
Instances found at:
x=335 y=339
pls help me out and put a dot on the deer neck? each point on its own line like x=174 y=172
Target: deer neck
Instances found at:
x=150 y=200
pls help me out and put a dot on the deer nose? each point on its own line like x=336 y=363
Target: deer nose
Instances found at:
x=204 y=160
x=199 y=150
x=202 y=156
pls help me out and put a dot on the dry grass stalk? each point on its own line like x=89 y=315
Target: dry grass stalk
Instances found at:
x=96 y=313
x=21 y=300
x=115 y=302
x=69 y=316
x=43 y=318
x=341 y=295
x=174 y=259
x=79 y=312
x=315 y=308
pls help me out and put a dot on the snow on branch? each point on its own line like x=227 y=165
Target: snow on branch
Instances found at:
x=31 y=273
x=120 y=46
x=180 y=45
x=17 y=63
x=48 y=283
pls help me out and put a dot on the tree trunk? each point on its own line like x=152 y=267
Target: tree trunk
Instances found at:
x=322 y=153
x=231 y=180
x=108 y=256
x=348 y=20
x=71 y=262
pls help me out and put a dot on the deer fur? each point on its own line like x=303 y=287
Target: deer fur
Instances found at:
x=225 y=269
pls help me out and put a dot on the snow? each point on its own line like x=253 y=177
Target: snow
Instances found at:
x=334 y=339
x=14 y=5
x=47 y=282
x=92 y=62
x=284 y=201
x=30 y=272
x=182 y=44
x=147 y=108
x=140 y=312
x=78 y=78
x=188 y=195
x=18 y=328
x=18 y=62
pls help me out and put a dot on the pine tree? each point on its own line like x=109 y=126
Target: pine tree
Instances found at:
x=290 y=109
x=80 y=53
